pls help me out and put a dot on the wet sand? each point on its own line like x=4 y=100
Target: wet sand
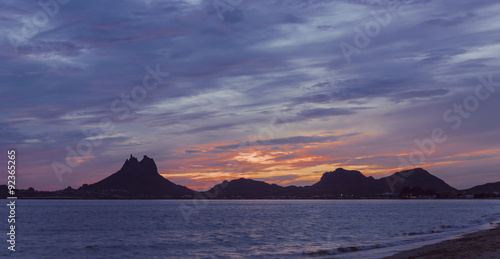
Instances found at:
x=482 y=244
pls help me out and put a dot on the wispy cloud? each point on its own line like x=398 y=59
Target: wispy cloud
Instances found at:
x=228 y=78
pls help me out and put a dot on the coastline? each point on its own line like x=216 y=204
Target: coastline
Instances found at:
x=480 y=245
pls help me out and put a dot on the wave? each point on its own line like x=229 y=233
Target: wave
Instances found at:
x=449 y=231
x=341 y=250
x=349 y=249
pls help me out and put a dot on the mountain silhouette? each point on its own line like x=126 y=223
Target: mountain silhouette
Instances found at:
x=251 y=189
x=338 y=183
x=416 y=177
x=484 y=188
x=347 y=182
x=140 y=178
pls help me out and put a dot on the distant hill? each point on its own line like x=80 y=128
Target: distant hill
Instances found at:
x=4 y=191
x=338 y=183
x=247 y=188
x=484 y=188
x=347 y=182
x=140 y=178
x=354 y=183
x=416 y=177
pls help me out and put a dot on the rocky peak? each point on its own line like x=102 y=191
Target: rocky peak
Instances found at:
x=131 y=162
x=148 y=164
x=145 y=166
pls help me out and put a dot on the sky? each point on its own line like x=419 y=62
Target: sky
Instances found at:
x=277 y=91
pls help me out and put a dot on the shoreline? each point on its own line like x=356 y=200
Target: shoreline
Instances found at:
x=481 y=244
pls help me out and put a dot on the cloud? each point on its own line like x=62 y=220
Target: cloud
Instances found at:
x=192 y=151
x=419 y=94
x=326 y=112
x=450 y=22
x=228 y=77
x=285 y=141
x=309 y=114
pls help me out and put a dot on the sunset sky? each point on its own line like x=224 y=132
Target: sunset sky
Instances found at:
x=278 y=91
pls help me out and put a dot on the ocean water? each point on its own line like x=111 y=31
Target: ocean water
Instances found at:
x=238 y=228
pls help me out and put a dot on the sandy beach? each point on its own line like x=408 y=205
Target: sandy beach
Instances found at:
x=479 y=245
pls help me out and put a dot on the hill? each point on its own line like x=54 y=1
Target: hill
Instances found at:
x=413 y=178
x=140 y=178
x=340 y=183
x=484 y=188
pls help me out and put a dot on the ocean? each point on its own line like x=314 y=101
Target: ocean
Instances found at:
x=238 y=228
